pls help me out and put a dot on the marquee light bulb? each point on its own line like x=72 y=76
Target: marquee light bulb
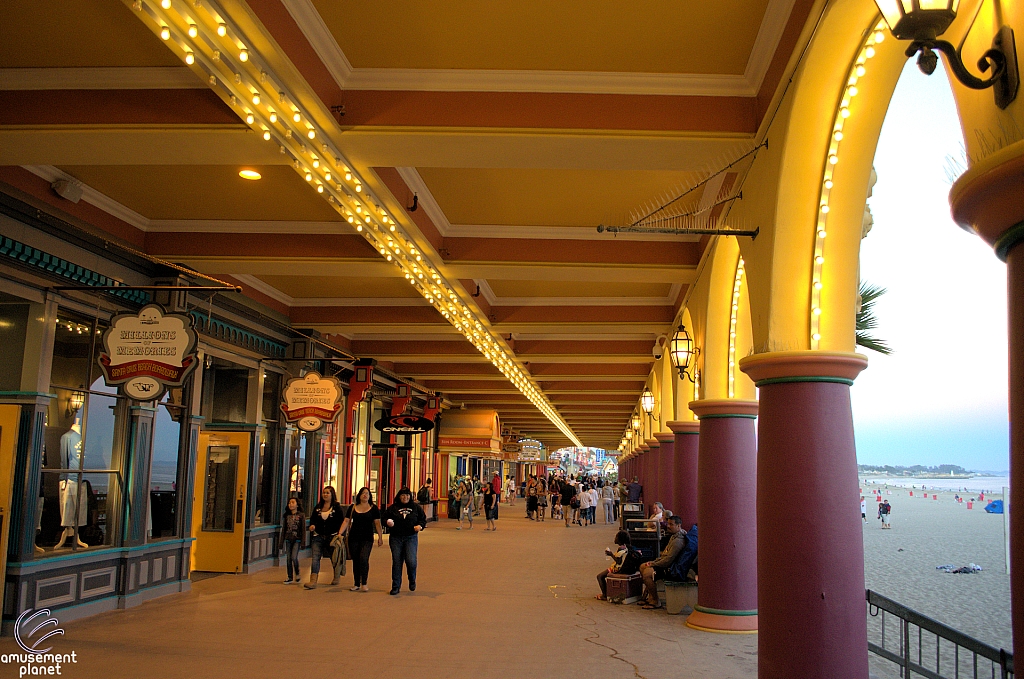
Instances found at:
x=828 y=184
x=256 y=99
x=311 y=134
x=844 y=112
x=266 y=135
x=309 y=177
x=297 y=116
x=316 y=163
x=359 y=228
x=243 y=55
x=348 y=176
x=250 y=118
x=319 y=188
x=165 y=33
x=193 y=31
x=222 y=29
x=190 y=58
x=359 y=188
x=838 y=136
x=327 y=176
x=273 y=117
x=166 y=4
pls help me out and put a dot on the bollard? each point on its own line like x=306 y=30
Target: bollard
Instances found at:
x=935 y=497
x=970 y=505
x=911 y=493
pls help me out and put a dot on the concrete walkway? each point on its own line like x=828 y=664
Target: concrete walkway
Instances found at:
x=517 y=602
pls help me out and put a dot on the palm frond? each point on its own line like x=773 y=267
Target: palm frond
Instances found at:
x=866 y=320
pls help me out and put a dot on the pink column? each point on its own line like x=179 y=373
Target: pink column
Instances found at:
x=727 y=516
x=810 y=562
x=667 y=470
x=684 y=493
x=644 y=461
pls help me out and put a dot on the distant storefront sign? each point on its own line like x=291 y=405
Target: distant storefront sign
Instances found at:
x=147 y=352
x=311 y=401
x=403 y=424
x=463 y=442
x=511 y=448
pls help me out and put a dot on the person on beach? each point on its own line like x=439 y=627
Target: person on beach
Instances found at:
x=490 y=507
x=886 y=510
x=293 y=537
x=863 y=510
x=405 y=519
x=324 y=523
x=627 y=561
x=362 y=522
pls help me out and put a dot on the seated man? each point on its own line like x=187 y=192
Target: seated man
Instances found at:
x=652 y=571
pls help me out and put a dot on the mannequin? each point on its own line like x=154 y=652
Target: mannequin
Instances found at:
x=71 y=505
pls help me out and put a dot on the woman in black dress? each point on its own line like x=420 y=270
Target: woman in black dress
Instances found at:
x=362 y=521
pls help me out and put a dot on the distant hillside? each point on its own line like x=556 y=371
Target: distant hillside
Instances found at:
x=916 y=470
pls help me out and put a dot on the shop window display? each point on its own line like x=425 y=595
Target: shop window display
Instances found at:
x=268 y=471
x=163 y=471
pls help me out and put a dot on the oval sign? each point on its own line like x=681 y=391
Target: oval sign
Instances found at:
x=403 y=424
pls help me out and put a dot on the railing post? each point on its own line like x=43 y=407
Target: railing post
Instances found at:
x=906 y=649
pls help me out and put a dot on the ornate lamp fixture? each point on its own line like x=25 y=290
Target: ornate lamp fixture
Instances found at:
x=75 y=402
x=635 y=421
x=629 y=434
x=647 y=400
x=923 y=21
x=682 y=352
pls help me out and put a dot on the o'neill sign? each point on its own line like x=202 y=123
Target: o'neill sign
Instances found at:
x=311 y=400
x=403 y=424
x=147 y=352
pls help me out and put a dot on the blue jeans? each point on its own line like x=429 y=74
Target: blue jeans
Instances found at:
x=321 y=546
x=291 y=556
x=403 y=550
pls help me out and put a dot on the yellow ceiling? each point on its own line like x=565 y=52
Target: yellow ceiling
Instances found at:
x=647 y=36
x=76 y=33
x=337 y=286
x=207 y=192
x=505 y=288
x=546 y=197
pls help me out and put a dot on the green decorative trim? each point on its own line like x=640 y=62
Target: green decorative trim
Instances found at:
x=1013 y=236
x=26 y=394
x=807 y=378
x=56 y=266
x=717 y=416
x=719 y=611
x=232 y=334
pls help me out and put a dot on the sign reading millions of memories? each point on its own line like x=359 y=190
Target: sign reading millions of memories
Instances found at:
x=147 y=352
x=311 y=401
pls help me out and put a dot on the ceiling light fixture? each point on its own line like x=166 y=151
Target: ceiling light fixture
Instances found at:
x=250 y=174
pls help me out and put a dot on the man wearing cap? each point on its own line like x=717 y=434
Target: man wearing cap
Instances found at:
x=405 y=519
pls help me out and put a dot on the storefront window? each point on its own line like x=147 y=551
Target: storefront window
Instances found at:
x=84 y=440
x=268 y=474
x=360 y=471
x=297 y=485
x=225 y=391
x=415 y=462
x=163 y=471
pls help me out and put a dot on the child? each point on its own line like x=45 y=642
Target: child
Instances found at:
x=293 y=535
x=626 y=559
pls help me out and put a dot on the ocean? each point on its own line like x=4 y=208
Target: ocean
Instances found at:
x=988 y=484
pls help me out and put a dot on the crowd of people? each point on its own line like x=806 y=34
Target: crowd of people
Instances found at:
x=348 y=533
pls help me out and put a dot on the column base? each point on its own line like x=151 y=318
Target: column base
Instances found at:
x=722 y=622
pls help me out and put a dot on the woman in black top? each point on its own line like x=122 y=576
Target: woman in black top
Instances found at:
x=293 y=535
x=324 y=523
x=362 y=521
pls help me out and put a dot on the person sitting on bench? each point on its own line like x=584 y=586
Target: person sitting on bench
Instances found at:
x=627 y=560
x=652 y=571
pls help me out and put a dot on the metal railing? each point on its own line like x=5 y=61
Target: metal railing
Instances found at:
x=918 y=638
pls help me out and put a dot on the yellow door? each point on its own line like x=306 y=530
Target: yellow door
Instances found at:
x=218 y=511
x=9 y=416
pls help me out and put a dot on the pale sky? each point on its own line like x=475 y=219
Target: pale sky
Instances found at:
x=942 y=396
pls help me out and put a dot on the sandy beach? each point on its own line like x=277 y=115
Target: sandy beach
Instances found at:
x=900 y=563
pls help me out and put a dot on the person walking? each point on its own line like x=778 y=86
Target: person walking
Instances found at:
x=362 y=522
x=568 y=498
x=863 y=510
x=496 y=484
x=584 y=506
x=595 y=500
x=886 y=513
x=475 y=488
x=531 y=499
x=607 y=503
x=464 y=498
x=324 y=523
x=490 y=507
x=510 y=491
x=542 y=498
x=634 y=491
x=405 y=520
x=293 y=538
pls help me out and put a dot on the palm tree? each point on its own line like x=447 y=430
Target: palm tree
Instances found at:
x=868 y=294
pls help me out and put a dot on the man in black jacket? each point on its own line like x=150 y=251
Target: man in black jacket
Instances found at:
x=405 y=519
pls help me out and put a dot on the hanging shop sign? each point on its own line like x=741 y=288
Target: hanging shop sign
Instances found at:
x=511 y=448
x=463 y=442
x=403 y=424
x=311 y=401
x=147 y=352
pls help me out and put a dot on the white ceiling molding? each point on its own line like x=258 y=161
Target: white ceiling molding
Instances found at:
x=346 y=76
x=92 y=196
x=233 y=226
x=268 y=290
x=416 y=184
x=495 y=301
x=504 y=231
x=485 y=290
x=320 y=38
x=103 y=78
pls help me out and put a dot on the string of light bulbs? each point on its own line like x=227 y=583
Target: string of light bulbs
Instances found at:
x=733 y=316
x=857 y=71
x=204 y=37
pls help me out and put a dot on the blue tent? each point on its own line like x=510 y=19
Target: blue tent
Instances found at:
x=994 y=507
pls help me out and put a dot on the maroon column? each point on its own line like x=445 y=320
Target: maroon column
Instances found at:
x=687 y=435
x=644 y=462
x=727 y=516
x=810 y=563
x=987 y=200
x=667 y=470
x=653 y=468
